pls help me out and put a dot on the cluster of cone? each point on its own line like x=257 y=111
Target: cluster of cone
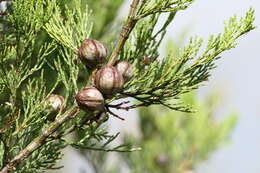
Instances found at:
x=107 y=80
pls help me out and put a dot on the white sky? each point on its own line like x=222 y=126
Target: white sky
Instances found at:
x=238 y=74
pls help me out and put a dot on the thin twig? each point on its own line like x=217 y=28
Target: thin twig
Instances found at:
x=112 y=113
x=111 y=150
x=125 y=32
x=117 y=105
x=39 y=141
x=127 y=108
x=157 y=9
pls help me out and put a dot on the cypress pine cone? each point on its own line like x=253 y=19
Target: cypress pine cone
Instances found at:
x=55 y=102
x=90 y=99
x=92 y=53
x=126 y=69
x=108 y=80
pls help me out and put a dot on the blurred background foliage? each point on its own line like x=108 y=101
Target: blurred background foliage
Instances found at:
x=175 y=142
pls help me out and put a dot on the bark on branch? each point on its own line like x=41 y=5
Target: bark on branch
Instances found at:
x=125 y=32
x=39 y=141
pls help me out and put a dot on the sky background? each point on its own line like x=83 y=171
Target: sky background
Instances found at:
x=238 y=77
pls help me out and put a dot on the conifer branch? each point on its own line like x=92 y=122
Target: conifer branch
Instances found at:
x=134 y=16
x=125 y=32
x=51 y=35
x=39 y=141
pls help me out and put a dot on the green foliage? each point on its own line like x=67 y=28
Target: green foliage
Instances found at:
x=70 y=29
x=45 y=158
x=24 y=75
x=99 y=140
x=160 y=6
x=38 y=57
x=167 y=79
x=41 y=44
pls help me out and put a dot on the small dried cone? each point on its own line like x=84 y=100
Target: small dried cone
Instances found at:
x=92 y=53
x=55 y=102
x=108 y=80
x=126 y=69
x=90 y=99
